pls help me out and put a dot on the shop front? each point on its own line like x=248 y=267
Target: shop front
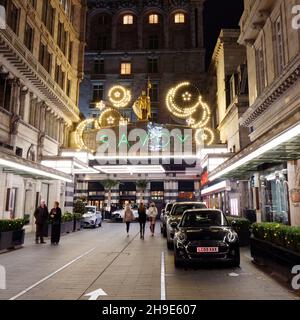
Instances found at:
x=186 y=190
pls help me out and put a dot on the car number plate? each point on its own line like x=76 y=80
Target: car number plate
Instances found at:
x=207 y=249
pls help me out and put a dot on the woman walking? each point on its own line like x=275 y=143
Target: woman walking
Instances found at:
x=152 y=212
x=142 y=219
x=55 y=218
x=128 y=217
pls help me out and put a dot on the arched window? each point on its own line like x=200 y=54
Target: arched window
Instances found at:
x=128 y=19
x=179 y=18
x=153 y=19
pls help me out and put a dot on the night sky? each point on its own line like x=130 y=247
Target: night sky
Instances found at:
x=219 y=14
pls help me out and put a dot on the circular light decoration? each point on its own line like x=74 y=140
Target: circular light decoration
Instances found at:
x=80 y=130
x=204 y=136
x=200 y=119
x=183 y=100
x=110 y=117
x=119 y=96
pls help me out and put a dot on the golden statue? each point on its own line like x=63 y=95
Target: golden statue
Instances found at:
x=142 y=106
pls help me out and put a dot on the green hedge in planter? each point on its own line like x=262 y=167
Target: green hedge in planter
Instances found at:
x=67 y=216
x=11 y=225
x=241 y=223
x=279 y=234
x=77 y=216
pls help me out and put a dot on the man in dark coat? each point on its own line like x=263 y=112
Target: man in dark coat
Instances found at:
x=41 y=218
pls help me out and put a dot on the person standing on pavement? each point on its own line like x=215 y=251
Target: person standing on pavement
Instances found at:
x=128 y=217
x=55 y=218
x=41 y=215
x=142 y=219
x=152 y=212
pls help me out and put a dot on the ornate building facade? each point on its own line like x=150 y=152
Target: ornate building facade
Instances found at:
x=271 y=162
x=41 y=66
x=129 y=41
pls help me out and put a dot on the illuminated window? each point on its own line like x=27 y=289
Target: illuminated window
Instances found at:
x=128 y=19
x=179 y=18
x=153 y=19
x=125 y=68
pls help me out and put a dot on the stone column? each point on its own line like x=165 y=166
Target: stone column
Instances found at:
x=23 y=103
x=42 y=117
x=166 y=31
x=140 y=31
x=114 y=33
x=15 y=96
x=294 y=184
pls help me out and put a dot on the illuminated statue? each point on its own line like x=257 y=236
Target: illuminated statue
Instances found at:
x=142 y=106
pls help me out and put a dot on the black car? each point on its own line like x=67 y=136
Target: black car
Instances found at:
x=174 y=216
x=163 y=218
x=205 y=236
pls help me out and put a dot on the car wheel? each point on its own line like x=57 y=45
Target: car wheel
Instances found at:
x=94 y=226
x=177 y=263
x=237 y=261
x=170 y=245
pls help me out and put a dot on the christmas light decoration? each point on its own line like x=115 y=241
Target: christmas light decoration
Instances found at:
x=204 y=136
x=101 y=105
x=119 y=96
x=109 y=117
x=80 y=130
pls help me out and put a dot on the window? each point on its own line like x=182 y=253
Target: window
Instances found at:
x=279 y=45
x=60 y=77
x=99 y=66
x=70 y=52
x=125 y=68
x=154 y=92
x=98 y=92
x=153 y=19
x=48 y=14
x=28 y=39
x=33 y=3
x=102 y=42
x=45 y=58
x=260 y=65
x=152 y=65
x=103 y=20
x=179 y=18
x=69 y=86
x=13 y=18
x=128 y=19
x=153 y=42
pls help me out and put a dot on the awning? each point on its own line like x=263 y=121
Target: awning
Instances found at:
x=273 y=150
x=26 y=168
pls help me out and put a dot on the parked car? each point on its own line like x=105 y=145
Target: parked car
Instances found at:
x=92 y=217
x=173 y=218
x=205 y=236
x=118 y=215
x=163 y=218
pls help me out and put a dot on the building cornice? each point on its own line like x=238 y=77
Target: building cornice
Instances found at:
x=272 y=93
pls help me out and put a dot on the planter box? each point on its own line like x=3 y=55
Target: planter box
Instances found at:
x=67 y=227
x=11 y=239
x=77 y=225
x=280 y=260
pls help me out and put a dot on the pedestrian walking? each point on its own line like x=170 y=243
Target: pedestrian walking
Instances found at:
x=152 y=212
x=128 y=217
x=55 y=218
x=41 y=215
x=142 y=219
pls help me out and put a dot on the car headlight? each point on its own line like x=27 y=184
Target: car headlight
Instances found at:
x=231 y=237
x=181 y=237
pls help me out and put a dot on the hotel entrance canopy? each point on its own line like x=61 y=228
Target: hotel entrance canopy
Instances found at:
x=277 y=149
x=10 y=163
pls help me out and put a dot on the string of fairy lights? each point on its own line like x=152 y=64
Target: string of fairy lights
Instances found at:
x=183 y=101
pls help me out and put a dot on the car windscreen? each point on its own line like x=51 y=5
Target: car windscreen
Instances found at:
x=203 y=219
x=179 y=209
x=90 y=209
x=169 y=207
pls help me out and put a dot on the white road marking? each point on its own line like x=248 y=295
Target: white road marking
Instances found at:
x=51 y=275
x=162 y=278
x=96 y=294
x=233 y=274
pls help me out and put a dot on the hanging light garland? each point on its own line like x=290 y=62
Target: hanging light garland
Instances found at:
x=119 y=96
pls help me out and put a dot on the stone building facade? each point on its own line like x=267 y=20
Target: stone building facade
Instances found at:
x=131 y=41
x=227 y=92
x=41 y=66
x=271 y=35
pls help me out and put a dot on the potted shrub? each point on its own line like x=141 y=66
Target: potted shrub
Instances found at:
x=276 y=246
x=67 y=222
x=11 y=233
x=242 y=227
x=79 y=209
